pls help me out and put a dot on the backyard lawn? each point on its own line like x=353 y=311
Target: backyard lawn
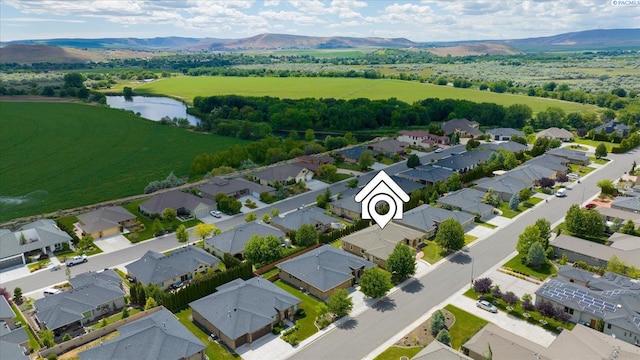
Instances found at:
x=465 y=326
x=307 y=326
x=115 y=317
x=213 y=350
x=147 y=233
x=543 y=272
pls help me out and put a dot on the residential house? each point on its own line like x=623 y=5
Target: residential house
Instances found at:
x=234 y=240
x=241 y=312
x=572 y=156
x=234 y=187
x=556 y=133
x=107 y=276
x=347 y=207
x=283 y=174
x=504 y=134
x=595 y=254
x=376 y=244
x=352 y=155
x=323 y=270
x=460 y=163
x=613 y=298
x=612 y=126
x=42 y=236
x=80 y=305
x=426 y=218
x=579 y=343
x=512 y=146
x=439 y=351
x=179 y=265
x=426 y=174
x=631 y=204
x=480 y=155
x=388 y=147
x=14 y=341
x=574 y=275
x=406 y=185
x=555 y=163
x=185 y=204
x=469 y=201
x=313 y=162
x=158 y=336
x=422 y=138
x=531 y=173
x=106 y=221
x=309 y=215
x=462 y=127
x=611 y=214
x=504 y=186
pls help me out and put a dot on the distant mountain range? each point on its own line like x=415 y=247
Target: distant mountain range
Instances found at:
x=50 y=49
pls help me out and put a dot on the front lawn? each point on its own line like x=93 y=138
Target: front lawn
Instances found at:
x=541 y=273
x=468 y=239
x=347 y=166
x=336 y=178
x=580 y=169
x=594 y=143
x=213 y=350
x=465 y=326
x=485 y=224
x=147 y=233
x=307 y=326
x=600 y=161
x=397 y=352
x=508 y=213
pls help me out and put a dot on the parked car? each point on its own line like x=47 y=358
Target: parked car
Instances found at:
x=485 y=305
x=51 y=291
x=591 y=206
x=176 y=286
x=78 y=259
x=438 y=150
x=561 y=192
x=573 y=176
x=215 y=213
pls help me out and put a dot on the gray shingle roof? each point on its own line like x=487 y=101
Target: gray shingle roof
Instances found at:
x=107 y=276
x=465 y=125
x=439 y=351
x=425 y=217
x=38 y=235
x=457 y=162
x=597 y=251
x=506 y=145
x=67 y=307
x=325 y=267
x=569 y=154
x=348 y=202
x=280 y=173
x=156 y=268
x=388 y=145
x=309 y=215
x=627 y=203
x=355 y=152
x=505 y=132
x=549 y=161
x=234 y=240
x=229 y=186
x=159 y=336
x=406 y=185
x=503 y=184
x=530 y=173
x=381 y=242
x=175 y=200
x=555 y=133
x=243 y=307
x=104 y=218
x=426 y=173
x=468 y=200
x=10 y=341
x=6 y=312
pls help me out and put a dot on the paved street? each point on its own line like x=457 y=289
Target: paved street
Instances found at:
x=375 y=326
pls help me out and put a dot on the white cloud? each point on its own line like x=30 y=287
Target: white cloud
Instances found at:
x=28 y=19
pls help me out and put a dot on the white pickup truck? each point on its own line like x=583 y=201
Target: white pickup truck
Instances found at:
x=78 y=259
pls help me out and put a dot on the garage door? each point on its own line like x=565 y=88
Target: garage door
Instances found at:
x=7 y=263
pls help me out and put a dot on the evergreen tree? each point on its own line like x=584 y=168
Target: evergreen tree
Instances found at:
x=437 y=323
x=536 y=255
x=444 y=337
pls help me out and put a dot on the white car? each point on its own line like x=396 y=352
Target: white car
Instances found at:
x=78 y=259
x=215 y=213
x=438 y=150
x=562 y=192
x=485 y=305
x=573 y=176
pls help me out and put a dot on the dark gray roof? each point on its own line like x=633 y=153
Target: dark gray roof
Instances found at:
x=457 y=162
x=549 y=161
x=596 y=250
x=157 y=336
x=6 y=312
x=575 y=273
x=234 y=240
x=67 y=307
x=469 y=200
x=354 y=152
x=280 y=173
x=309 y=215
x=503 y=184
x=388 y=145
x=506 y=145
x=627 y=203
x=439 y=351
x=426 y=217
x=569 y=154
x=555 y=133
x=10 y=341
x=104 y=218
x=505 y=132
x=156 y=268
x=90 y=277
x=348 y=202
x=325 y=267
x=243 y=307
x=38 y=235
x=530 y=173
x=175 y=200
x=427 y=173
x=479 y=155
x=406 y=185
x=468 y=126
x=229 y=186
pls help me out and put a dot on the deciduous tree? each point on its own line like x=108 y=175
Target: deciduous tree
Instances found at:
x=375 y=282
x=482 y=285
x=601 y=151
x=169 y=214
x=263 y=250
x=450 y=235
x=527 y=238
x=150 y=304
x=545 y=231
x=307 y=235
x=251 y=217
x=182 y=234
x=366 y=160
x=204 y=230
x=401 y=263
x=340 y=304
x=413 y=161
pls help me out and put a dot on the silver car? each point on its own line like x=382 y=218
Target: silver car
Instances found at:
x=485 y=305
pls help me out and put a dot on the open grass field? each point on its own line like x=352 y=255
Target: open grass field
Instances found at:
x=187 y=88
x=61 y=155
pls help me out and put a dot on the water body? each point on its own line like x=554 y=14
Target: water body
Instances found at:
x=153 y=108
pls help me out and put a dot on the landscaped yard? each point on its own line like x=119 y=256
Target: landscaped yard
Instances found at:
x=594 y=143
x=397 y=352
x=337 y=243
x=33 y=343
x=600 y=161
x=543 y=272
x=465 y=326
x=432 y=252
x=115 y=317
x=485 y=224
x=580 y=169
x=508 y=213
x=306 y=325
x=213 y=350
x=147 y=233
x=347 y=166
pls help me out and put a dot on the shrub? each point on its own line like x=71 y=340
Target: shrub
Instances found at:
x=482 y=285
x=496 y=292
x=301 y=313
x=510 y=298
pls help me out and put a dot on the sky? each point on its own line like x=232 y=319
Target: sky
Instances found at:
x=416 y=20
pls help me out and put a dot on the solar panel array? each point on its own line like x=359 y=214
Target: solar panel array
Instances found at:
x=614 y=293
x=558 y=291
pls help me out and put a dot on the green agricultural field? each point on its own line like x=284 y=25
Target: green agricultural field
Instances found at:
x=187 y=88
x=62 y=155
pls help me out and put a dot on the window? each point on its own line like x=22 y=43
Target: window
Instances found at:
x=350 y=247
x=608 y=326
x=361 y=251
